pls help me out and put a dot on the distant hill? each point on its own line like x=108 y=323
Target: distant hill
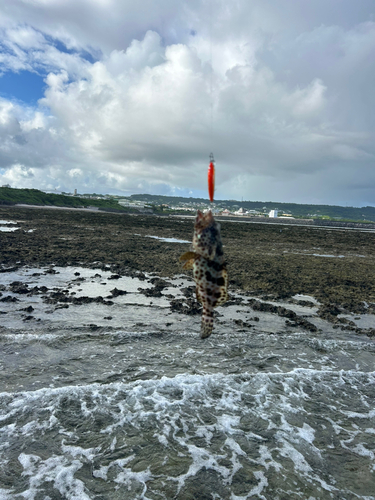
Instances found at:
x=12 y=196
x=296 y=209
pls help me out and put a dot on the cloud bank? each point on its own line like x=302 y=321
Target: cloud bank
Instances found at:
x=137 y=94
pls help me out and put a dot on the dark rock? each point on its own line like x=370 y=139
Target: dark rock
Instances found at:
x=242 y=323
x=159 y=283
x=28 y=309
x=116 y=292
x=188 y=291
x=19 y=287
x=8 y=298
x=150 y=292
x=328 y=310
x=51 y=271
x=189 y=306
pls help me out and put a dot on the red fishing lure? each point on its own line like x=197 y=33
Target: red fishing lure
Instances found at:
x=211 y=178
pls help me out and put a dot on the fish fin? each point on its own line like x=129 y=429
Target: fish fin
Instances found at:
x=187 y=256
x=188 y=264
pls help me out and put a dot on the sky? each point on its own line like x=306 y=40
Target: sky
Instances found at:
x=124 y=97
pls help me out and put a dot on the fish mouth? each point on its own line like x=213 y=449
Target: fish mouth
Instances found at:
x=204 y=219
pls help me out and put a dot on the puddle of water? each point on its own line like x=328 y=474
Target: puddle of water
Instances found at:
x=317 y=254
x=6 y=226
x=122 y=308
x=102 y=286
x=308 y=298
x=166 y=240
x=362 y=321
x=327 y=255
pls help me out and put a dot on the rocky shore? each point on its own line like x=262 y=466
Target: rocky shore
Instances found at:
x=303 y=222
x=266 y=262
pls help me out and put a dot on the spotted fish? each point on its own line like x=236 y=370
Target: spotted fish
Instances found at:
x=209 y=268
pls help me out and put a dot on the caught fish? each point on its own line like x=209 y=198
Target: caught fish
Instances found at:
x=209 y=268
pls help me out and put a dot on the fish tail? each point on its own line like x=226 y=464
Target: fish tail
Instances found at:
x=207 y=322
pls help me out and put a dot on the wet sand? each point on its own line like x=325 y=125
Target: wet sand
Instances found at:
x=271 y=262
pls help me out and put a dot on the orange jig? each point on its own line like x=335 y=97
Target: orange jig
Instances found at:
x=211 y=178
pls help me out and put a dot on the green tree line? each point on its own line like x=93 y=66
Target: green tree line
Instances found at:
x=12 y=196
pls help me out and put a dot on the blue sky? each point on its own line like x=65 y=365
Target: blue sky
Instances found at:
x=24 y=86
x=29 y=86
x=123 y=97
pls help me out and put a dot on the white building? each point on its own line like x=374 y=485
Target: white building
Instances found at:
x=273 y=213
x=240 y=211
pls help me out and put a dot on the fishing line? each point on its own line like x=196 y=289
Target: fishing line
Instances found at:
x=211 y=167
x=211 y=78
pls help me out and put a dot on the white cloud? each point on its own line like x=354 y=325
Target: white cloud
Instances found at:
x=19 y=174
x=37 y=121
x=26 y=49
x=282 y=95
x=25 y=37
x=309 y=101
x=146 y=53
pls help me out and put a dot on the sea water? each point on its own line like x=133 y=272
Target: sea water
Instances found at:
x=137 y=406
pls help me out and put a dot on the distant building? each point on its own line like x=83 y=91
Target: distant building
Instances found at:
x=273 y=213
x=132 y=204
x=75 y=193
x=240 y=211
x=51 y=191
x=6 y=186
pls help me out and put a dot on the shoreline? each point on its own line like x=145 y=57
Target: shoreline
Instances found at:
x=250 y=220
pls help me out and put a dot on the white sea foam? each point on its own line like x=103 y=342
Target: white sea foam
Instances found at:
x=56 y=469
x=347 y=345
x=264 y=426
